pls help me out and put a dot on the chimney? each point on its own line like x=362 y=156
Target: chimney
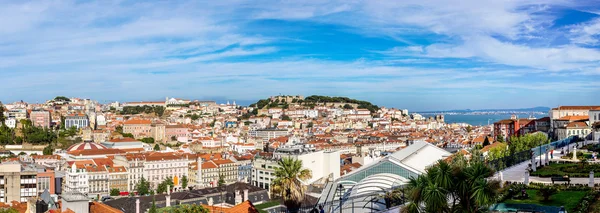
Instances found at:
x=137 y=205
x=168 y=197
x=245 y=195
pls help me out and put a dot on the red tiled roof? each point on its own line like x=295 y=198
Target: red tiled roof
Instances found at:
x=137 y=121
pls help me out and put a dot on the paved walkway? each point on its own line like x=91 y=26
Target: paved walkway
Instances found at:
x=517 y=173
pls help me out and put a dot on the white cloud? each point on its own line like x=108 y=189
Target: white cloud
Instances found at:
x=586 y=33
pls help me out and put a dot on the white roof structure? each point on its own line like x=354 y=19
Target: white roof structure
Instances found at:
x=363 y=186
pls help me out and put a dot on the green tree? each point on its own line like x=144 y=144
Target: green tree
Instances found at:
x=452 y=188
x=147 y=140
x=546 y=191
x=8 y=210
x=48 y=150
x=348 y=106
x=195 y=116
x=286 y=118
x=486 y=142
x=469 y=129
x=162 y=187
x=115 y=192
x=184 y=182
x=221 y=181
x=143 y=187
x=500 y=138
x=287 y=183
x=2 y=118
x=22 y=153
x=156 y=147
x=153 y=207
x=173 y=138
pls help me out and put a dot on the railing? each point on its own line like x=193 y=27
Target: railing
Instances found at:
x=520 y=157
x=358 y=204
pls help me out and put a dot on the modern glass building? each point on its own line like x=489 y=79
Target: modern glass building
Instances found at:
x=360 y=190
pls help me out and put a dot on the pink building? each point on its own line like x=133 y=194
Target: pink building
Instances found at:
x=180 y=132
x=40 y=118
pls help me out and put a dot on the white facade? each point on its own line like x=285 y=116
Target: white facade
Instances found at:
x=76 y=180
x=11 y=123
x=156 y=171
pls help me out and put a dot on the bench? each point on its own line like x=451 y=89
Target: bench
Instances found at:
x=560 y=178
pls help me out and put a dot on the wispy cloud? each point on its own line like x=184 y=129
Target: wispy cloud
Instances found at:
x=387 y=51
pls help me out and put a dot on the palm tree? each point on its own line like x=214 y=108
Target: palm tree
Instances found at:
x=288 y=182
x=452 y=188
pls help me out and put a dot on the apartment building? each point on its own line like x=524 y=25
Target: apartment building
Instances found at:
x=159 y=166
x=266 y=134
x=210 y=171
x=17 y=182
x=77 y=120
x=40 y=118
x=138 y=128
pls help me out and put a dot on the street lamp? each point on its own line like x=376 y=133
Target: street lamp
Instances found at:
x=341 y=190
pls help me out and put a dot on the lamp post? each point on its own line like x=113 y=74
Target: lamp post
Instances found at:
x=341 y=189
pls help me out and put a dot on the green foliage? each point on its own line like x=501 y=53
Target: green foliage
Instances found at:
x=221 y=181
x=35 y=135
x=153 y=207
x=327 y=99
x=568 y=198
x=527 y=142
x=156 y=147
x=8 y=210
x=486 y=142
x=348 y=106
x=497 y=152
x=195 y=116
x=309 y=125
x=546 y=191
x=119 y=129
x=184 y=182
x=115 y=192
x=132 y=110
x=62 y=98
x=48 y=150
x=500 y=138
x=247 y=123
x=452 y=188
x=173 y=138
x=22 y=153
x=143 y=186
x=147 y=140
x=162 y=187
x=2 y=118
x=285 y=118
x=6 y=135
x=570 y=169
x=127 y=135
x=185 y=208
x=287 y=183
x=469 y=129
x=72 y=131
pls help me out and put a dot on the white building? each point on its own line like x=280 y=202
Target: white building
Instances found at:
x=77 y=120
x=323 y=164
x=159 y=166
x=11 y=123
x=76 y=179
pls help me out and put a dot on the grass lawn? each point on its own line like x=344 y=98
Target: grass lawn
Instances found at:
x=571 y=169
x=262 y=206
x=568 y=199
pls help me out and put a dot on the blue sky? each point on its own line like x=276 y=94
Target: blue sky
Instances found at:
x=420 y=55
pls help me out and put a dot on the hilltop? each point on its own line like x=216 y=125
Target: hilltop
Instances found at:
x=284 y=101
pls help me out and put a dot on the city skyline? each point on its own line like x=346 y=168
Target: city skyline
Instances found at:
x=422 y=55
